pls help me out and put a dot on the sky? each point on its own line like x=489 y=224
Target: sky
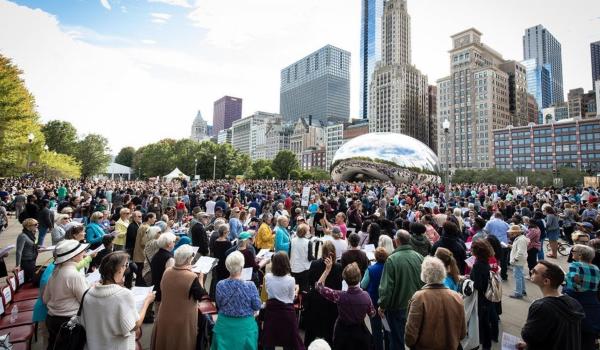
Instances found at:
x=137 y=71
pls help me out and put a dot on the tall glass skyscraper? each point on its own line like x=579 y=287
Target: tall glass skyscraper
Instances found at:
x=539 y=84
x=541 y=45
x=370 y=47
x=318 y=85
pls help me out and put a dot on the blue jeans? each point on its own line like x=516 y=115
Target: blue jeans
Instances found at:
x=41 y=235
x=379 y=334
x=397 y=321
x=540 y=254
x=519 y=280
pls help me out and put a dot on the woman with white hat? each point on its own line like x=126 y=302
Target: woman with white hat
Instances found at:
x=66 y=287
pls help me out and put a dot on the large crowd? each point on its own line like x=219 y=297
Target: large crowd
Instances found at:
x=305 y=265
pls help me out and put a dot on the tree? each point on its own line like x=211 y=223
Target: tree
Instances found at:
x=125 y=156
x=18 y=118
x=94 y=154
x=284 y=163
x=261 y=169
x=61 y=137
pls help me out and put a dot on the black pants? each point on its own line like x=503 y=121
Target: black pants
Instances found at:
x=531 y=258
x=28 y=267
x=53 y=324
x=504 y=263
x=139 y=280
x=301 y=280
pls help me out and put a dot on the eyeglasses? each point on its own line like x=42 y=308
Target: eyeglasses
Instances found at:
x=126 y=265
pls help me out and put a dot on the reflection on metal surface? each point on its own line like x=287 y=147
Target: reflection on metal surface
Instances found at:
x=385 y=156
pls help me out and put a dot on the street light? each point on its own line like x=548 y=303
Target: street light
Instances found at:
x=195 y=167
x=446 y=126
x=30 y=138
x=214 y=167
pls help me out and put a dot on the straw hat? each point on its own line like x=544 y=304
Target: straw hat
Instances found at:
x=515 y=229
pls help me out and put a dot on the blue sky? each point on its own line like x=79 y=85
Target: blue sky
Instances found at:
x=138 y=71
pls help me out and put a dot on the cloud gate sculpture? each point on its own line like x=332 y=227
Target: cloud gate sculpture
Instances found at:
x=385 y=156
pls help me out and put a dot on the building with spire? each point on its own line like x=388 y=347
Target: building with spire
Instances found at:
x=398 y=91
x=199 y=130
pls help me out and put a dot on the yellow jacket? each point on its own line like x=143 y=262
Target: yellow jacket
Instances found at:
x=121 y=232
x=265 y=239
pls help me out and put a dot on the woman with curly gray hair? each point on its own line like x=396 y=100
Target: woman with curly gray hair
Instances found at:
x=436 y=316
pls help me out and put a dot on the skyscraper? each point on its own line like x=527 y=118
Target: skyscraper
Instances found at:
x=539 y=84
x=398 y=91
x=370 y=48
x=317 y=85
x=595 y=53
x=517 y=92
x=541 y=45
x=474 y=99
x=199 y=129
x=432 y=107
x=227 y=109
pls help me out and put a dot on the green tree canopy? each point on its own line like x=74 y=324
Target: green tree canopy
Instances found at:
x=284 y=163
x=125 y=156
x=94 y=154
x=61 y=137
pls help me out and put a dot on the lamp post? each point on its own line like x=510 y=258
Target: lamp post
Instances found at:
x=195 y=167
x=45 y=150
x=446 y=126
x=30 y=139
x=214 y=167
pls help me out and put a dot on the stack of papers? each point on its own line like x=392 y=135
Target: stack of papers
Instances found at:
x=247 y=274
x=93 y=277
x=204 y=264
x=46 y=249
x=470 y=261
x=100 y=248
x=264 y=253
x=6 y=249
x=370 y=250
x=139 y=295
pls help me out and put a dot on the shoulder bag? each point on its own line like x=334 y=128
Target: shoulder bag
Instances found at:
x=71 y=335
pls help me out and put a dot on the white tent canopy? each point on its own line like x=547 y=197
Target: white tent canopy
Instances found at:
x=117 y=170
x=175 y=174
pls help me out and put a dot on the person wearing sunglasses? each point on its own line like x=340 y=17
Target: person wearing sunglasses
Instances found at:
x=27 y=249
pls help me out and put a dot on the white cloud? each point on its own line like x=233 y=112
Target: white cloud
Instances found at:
x=148 y=41
x=180 y=3
x=158 y=21
x=106 y=4
x=164 y=16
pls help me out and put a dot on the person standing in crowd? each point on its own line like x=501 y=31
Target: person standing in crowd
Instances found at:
x=141 y=239
x=198 y=233
x=583 y=283
x=107 y=299
x=280 y=326
x=436 y=315
x=93 y=230
x=301 y=255
x=320 y=314
x=350 y=331
x=452 y=273
x=235 y=225
x=132 y=229
x=518 y=259
x=27 y=249
x=46 y=221
x=355 y=255
x=451 y=240
x=480 y=275
x=221 y=246
x=340 y=244
x=554 y=321
x=386 y=243
x=282 y=235
x=176 y=325
x=418 y=240
x=265 y=239
x=533 y=234
x=399 y=281
x=65 y=288
x=121 y=228
x=552 y=230
x=162 y=260
x=370 y=283
x=498 y=227
x=237 y=301
x=60 y=223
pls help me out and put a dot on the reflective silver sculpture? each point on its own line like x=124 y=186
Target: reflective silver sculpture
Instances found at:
x=385 y=156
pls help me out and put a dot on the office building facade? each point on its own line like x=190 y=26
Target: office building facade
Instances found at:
x=370 y=48
x=244 y=133
x=517 y=92
x=541 y=45
x=305 y=135
x=570 y=143
x=539 y=84
x=432 y=108
x=595 y=56
x=224 y=136
x=581 y=104
x=317 y=85
x=398 y=91
x=555 y=113
x=475 y=101
x=227 y=109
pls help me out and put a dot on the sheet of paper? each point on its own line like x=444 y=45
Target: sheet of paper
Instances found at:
x=204 y=264
x=371 y=256
x=139 y=295
x=93 y=277
x=48 y=248
x=6 y=249
x=266 y=253
x=344 y=286
x=385 y=324
x=470 y=261
x=195 y=249
x=369 y=247
x=100 y=248
x=247 y=274
x=509 y=341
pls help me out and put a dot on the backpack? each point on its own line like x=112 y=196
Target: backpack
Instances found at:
x=494 y=289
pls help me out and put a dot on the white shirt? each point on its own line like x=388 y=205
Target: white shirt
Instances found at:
x=281 y=288
x=341 y=245
x=210 y=207
x=299 y=255
x=64 y=290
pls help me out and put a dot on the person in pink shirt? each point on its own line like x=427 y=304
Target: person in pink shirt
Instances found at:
x=431 y=233
x=340 y=221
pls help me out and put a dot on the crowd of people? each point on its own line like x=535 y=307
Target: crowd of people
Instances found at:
x=364 y=265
